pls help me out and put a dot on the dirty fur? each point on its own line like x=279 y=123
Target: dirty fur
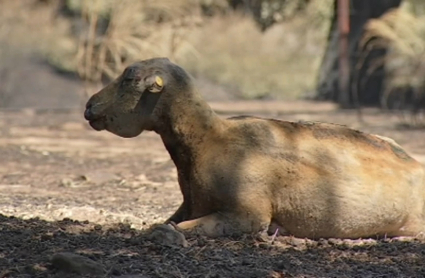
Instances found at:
x=246 y=174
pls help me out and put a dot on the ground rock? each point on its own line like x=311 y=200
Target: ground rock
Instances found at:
x=73 y=263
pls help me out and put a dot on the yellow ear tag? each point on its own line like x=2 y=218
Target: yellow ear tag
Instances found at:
x=158 y=81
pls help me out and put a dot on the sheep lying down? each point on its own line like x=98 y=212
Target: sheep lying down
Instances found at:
x=245 y=174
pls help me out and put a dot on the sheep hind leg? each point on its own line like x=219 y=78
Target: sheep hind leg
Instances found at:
x=414 y=227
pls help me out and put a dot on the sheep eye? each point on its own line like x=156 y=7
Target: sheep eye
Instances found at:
x=129 y=74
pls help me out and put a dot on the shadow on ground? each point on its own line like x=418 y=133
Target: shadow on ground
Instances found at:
x=27 y=248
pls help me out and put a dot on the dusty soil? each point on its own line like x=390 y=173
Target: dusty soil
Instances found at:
x=53 y=166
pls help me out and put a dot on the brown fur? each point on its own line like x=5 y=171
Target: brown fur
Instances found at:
x=245 y=174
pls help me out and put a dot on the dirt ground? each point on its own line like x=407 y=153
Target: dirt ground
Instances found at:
x=67 y=188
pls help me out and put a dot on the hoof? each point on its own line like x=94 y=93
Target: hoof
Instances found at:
x=166 y=234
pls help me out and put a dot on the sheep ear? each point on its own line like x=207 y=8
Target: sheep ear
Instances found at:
x=154 y=84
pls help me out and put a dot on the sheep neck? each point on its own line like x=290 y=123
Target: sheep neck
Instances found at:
x=185 y=127
x=188 y=121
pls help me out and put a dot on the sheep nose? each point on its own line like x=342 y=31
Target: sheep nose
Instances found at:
x=88 y=114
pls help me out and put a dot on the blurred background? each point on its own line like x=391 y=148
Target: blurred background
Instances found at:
x=54 y=53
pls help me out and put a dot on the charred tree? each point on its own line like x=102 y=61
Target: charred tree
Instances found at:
x=364 y=88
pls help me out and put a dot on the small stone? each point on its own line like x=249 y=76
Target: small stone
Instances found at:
x=264 y=245
x=334 y=241
x=115 y=272
x=132 y=276
x=99 y=177
x=73 y=263
x=323 y=242
x=245 y=262
x=404 y=239
x=297 y=242
x=311 y=243
x=66 y=182
x=201 y=242
x=34 y=269
x=46 y=236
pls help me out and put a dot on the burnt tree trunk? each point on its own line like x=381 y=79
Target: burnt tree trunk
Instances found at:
x=369 y=87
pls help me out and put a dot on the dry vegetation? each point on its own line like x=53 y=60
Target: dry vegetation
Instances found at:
x=227 y=48
x=135 y=30
x=281 y=62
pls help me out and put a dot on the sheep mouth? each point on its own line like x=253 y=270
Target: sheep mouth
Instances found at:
x=98 y=124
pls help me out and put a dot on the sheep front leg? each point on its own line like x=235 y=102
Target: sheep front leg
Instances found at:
x=178 y=216
x=219 y=224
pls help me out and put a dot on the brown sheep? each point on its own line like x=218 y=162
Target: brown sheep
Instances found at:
x=245 y=174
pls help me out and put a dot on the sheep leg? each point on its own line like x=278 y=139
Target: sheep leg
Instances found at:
x=178 y=216
x=221 y=224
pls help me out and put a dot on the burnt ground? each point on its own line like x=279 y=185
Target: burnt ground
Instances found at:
x=67 y=188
